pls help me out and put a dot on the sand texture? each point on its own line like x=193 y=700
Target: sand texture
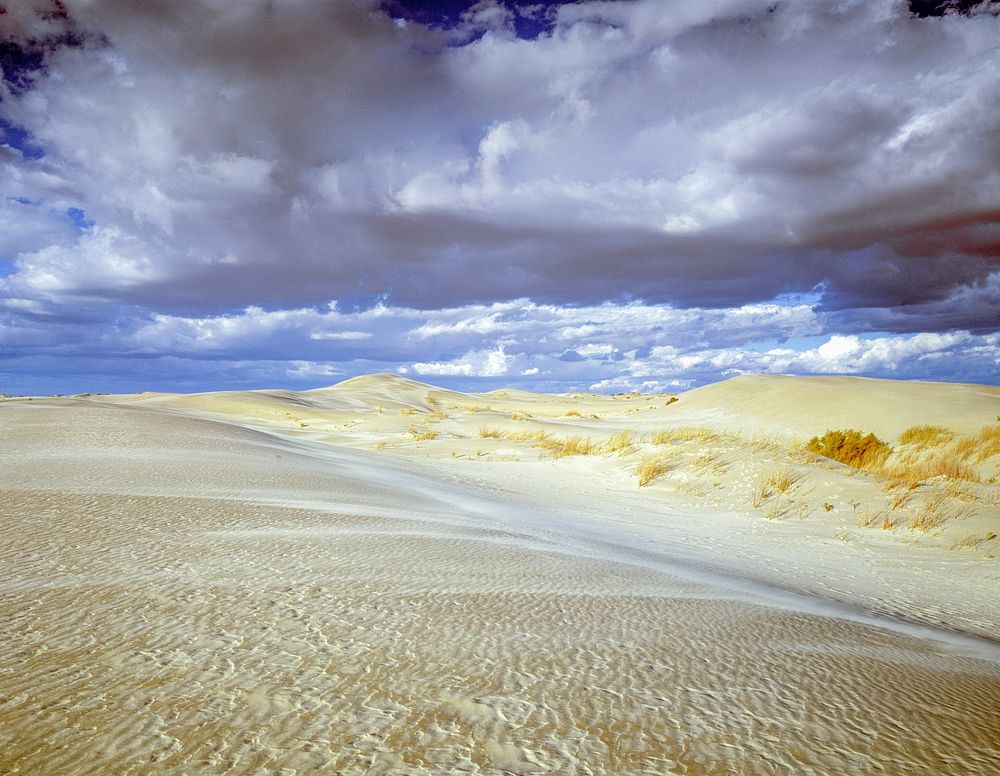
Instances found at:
x=368 y=579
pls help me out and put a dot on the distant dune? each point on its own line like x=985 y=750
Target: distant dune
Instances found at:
x=383 y=576
x=808 y=405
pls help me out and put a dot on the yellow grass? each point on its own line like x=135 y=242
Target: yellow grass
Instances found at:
x=985 y=444
x=934 y=513
x=926 y=436
x=653 y=466
x=943 y=463
x=783 y=480
x=422 y=435
x=974 y=541
x=574 y=445
x=573 y=414
x=668 y=436
x=485 y=432
x=620 y=442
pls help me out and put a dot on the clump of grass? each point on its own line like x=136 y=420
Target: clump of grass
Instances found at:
x=521 y=416
x=891 y=522
x=760 y=492
x=710 y=462
x=933 y=514
x=974 y=541
x=851 y=447
x=763 y=445
x=620 y=442
x=926 y=436
x=900 y=499
x=408 y=411
x=783 y=480
x=668 y=436
x=653 y=466
x=671 y=400
x=777 y=508
x=573 y=414
x=945 y=464
x=422 y=435
x=561 y=448
x=985 y=444
x=486 y=432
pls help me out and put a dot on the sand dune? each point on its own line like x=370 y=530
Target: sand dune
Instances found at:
x=809 y=405
x=357 y=580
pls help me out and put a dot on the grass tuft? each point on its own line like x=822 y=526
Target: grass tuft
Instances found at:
x=653 y=466
x=620 y=442
x=926 y=436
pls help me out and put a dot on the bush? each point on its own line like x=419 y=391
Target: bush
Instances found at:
x=851 y=447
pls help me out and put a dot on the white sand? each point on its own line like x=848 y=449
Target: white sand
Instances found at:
x=268 y=592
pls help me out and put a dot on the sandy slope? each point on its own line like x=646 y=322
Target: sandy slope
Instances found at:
x=355 y=580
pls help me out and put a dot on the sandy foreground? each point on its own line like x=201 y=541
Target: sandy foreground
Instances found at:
x=386 y=577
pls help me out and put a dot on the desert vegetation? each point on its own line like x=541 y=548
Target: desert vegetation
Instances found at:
x=851 y=447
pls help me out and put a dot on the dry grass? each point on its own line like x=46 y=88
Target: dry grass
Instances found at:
x=934 y=513
x=620 y=442
x=573 y=414
x=521 y=416
x=851 y=447
x=891 y=522
x=900 y=499
x=653 y=466
x=486 y=432
x=574 y=445
x=423 y=435
x=926 y=436
x=778 y=508
x=666 y=436
x=783 y=480
x=759 y=493
x=869 y=518
x=974 y=541
x=985 y=444
x=944 y=463
x=710 y=462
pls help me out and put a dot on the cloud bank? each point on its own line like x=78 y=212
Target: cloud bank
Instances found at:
x=691 y=190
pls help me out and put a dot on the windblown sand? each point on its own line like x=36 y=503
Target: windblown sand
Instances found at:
x=183 y=595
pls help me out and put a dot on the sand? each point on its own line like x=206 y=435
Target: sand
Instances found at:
x=270 y=582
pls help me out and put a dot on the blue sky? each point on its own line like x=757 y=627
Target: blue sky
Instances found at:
x=560 y=196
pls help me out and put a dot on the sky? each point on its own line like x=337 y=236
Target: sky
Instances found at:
x=596 y=195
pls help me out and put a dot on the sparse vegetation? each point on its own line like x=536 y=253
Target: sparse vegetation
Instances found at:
x=851 y=447
x=574 y=445
x=668 y=436
x=423 y=435
x=985 y=444
x=620 y=442
x=934 y=513
x=486 y=432
x=653 y=466
x=573 y=414
x=926 y=436
x=974 y=541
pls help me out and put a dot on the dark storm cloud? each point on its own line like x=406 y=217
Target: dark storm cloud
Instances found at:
x=198 y=160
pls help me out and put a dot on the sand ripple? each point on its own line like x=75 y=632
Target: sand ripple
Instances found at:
x=160 y=612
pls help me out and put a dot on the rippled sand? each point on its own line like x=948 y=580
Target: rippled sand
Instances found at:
x=181 y=596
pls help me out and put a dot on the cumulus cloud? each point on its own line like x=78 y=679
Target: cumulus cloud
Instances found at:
x=199 y=179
